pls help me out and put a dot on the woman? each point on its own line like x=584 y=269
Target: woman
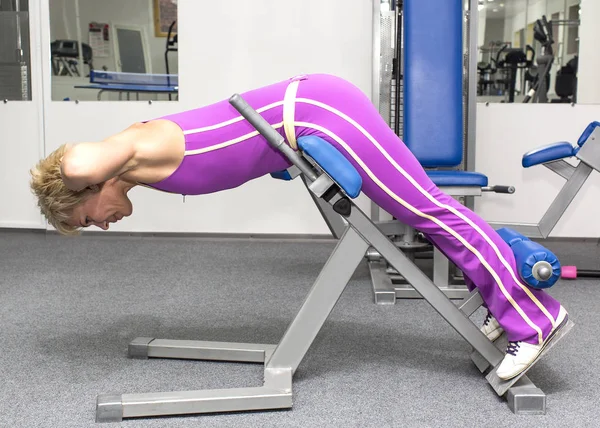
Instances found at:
x=213 y=148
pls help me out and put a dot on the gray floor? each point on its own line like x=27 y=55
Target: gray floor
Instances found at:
x=69 y=307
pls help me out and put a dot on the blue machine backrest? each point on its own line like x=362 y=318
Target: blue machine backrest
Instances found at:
x=433 y=87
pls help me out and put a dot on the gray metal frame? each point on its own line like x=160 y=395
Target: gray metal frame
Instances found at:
x=472 y=23
x=576 y=176
x=384 y=40
x=282 y=360
x=388 y=285
x=376 y=77
x=335 y=222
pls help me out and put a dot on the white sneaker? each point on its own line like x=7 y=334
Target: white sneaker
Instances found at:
x=491 y=328
x=520 y=355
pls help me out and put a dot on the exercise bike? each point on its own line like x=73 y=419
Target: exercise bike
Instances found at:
x=539 y=75
x=566 y=82
x=514 y=59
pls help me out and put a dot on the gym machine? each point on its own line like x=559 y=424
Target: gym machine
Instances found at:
x=566 y=82
x=15 y=72
x=540 y=76
x=330 y=177
x=509 y=61
x=586 y=154
x=65 y=56
x=566 y=77
x=431 y=68
x=487 y=85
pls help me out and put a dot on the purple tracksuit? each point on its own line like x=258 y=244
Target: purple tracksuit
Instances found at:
x=224 y=151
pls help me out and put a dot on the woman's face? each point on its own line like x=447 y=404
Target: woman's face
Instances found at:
x=109 y=205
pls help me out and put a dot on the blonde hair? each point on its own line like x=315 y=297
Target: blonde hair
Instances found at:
x=55 y=200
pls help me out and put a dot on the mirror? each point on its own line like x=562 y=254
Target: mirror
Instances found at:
x=528 y=51
x=117 y=50
x=15 y=59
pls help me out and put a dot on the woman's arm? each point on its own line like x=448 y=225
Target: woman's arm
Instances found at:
x=86 y=164
x=141 y=151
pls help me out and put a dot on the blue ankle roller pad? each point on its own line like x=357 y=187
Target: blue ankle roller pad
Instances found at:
x=527 y=254
x=586 y=134
x=548 y=153
x=433 y=87
x=333 y=163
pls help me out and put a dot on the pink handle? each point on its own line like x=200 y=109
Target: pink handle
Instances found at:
x=568 y=272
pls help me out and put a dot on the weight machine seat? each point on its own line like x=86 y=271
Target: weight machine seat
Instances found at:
x=557 y=151
x=548 y=153
x=458 y=178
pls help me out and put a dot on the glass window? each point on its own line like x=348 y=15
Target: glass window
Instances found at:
x=529 y=51
x=117 y=50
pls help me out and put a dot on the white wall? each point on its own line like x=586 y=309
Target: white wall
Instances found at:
x=589 y=58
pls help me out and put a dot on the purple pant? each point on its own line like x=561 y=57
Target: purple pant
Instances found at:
x=224 y=151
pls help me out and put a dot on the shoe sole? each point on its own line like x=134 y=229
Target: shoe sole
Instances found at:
x=497 y=333
x=546 y=342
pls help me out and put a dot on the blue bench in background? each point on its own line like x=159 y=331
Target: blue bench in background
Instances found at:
x=554 y=157
x=114 y=81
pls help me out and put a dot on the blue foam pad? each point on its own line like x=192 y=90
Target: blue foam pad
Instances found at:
x=548 y=153
x=586 y=134
x=282 y=175
x=458 y=178
x=333 y=163
x=527 y=254
x=433 y=86
x=510 y=236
